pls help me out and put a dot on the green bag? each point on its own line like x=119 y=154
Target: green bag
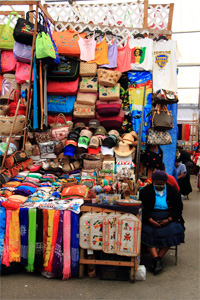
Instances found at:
x=44 y=46
x=6 y=34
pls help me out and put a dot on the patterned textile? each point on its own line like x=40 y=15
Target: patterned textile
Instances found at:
x=39 y=240
x=23 y=218
x=66 y=245
x=49 y=236
x=14 y=238
x=58 y=258
x=74 y=243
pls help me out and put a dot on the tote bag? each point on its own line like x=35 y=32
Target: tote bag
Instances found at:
x=22 y=72
x=22 y=52
x=61 y=104
x=8 y=62
x=6 y=34
x=44 y=46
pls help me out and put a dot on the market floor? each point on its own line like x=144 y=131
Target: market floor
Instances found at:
x=175 y=282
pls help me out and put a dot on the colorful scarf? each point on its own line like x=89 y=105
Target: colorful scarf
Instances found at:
x=74 y=243
x=66 y=245
x=58 y=258
x=49 y=236
x=2 y=231
x=54 y=238
x=39 y=240
x=23 y=218
x=5 y=258
x=31 y=239
x=14 y=238
x=45 y=228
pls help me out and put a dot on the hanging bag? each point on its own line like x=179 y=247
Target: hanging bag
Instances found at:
x=13 y=104
x=24 y=29
x=153 y=159
x=6 y=34
x=162 y=118
x=22 y=52
x=22 y=72
x=68 y=70
x=8 y=62
x=44 y=46
x=156 y=137
x=8 y=84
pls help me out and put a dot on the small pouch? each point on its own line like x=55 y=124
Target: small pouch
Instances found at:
x=59 y=147
x=107 y=77
x=86 y=98
x=109 y=108
x=109 y=93
x=47 y=147
x=88 y=69
x=42 y=137
x=88 y=85
x=75 y=191
x=83 y=111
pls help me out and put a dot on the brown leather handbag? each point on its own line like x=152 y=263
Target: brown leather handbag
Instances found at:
x=162 y=118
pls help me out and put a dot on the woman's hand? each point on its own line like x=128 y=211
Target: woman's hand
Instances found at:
x=163 y=222
x=154 y=223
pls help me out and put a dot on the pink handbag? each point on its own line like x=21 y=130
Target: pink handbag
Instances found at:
x=61 y=131
x=22 y=72
x=8 y=62
x=62 y=88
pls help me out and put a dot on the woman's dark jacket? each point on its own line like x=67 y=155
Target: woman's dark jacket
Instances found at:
x=174 y=201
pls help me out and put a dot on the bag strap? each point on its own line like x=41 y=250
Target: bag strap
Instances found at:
x=61 y=115
x=39 y=14
x=17 y=95
x=12 y=13
x=47 y=27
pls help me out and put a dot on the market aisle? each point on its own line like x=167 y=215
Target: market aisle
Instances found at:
x=176 y=282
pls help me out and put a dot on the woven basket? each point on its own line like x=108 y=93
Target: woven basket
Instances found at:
x=3 y=110
x=6 y=124
x=8 y=84
x=88 y=69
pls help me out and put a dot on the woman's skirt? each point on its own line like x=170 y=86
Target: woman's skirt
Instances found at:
x=170 y=235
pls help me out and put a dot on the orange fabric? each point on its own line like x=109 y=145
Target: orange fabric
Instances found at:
x=67 y=42
x=17 y=198
x=101 y=53
x=14 y=238
x=171 y=180
x=75 y=190
x=124 y=58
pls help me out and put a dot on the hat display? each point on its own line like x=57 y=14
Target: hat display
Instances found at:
x=79 y=125
x=107 y=151
x=83 y=142
x=93 y=124
x=129 y=139
x=123 y=149
x=69 y=150
x=100 y=131
x=110 y=141
x=71 y=142
x=114 y=132
x=94 y=151
x=94 y=142
x=86 y=132
x=73 y=135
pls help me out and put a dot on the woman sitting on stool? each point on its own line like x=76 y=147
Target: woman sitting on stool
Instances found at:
x=163 y=225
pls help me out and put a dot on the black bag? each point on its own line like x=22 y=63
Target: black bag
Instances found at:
x=152 y=159
x=24 y=29
x=68 y=70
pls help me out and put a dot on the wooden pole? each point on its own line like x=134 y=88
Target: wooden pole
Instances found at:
x=30 y=79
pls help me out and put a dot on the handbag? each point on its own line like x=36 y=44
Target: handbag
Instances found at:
x=8 y=84
x=60 y=104
x=62 y=88
x=88 y=85
x=46 y=147
x=88 y=69
x=83 y=111
x=112 y=122
x=22 y=72
x=165 y=97
x=52 y=118
x=162 y=118
x=86 y=98
x=13 y=104
x=107 y=77
x=153 y=159
x=68 y=70
x=8 y=62
x=24 y=29
x=44 y=46
x=22 y=52
x=109 y=93
x=4 y=109
x=16 y=157
x=156 y=137
x=92 y=162
x=44 y=136
x=6 y=34
x=61 y=131
x=109 y=108
x=59 y=147
x=67 y=42
x=6 y=124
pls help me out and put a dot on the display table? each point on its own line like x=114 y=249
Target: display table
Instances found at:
x=135 y=260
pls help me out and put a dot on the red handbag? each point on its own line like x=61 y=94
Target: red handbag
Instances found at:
x=22 y=72
x=112 y=122
x=8 y=62
x=13 y=104
x=52 y=118
x=62 y=88
x=108 y=108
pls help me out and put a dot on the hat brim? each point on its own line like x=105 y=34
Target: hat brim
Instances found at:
x=123 y=154
x=94 y=150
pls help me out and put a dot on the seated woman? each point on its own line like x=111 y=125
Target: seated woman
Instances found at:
x=163 y=225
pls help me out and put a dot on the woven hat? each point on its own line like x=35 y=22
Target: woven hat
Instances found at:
x=123 y=149
x=83 y=142
x=129 y=139
x=114 y=132
x=86 y=132
x=94 y=142
x=100 y=131
x=110 y=141
x=93 y=124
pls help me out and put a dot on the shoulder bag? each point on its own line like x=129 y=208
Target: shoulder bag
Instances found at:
x=162 y=118
x=68 y=70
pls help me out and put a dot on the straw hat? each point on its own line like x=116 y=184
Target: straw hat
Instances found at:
x=130 y=138
x=123 y=149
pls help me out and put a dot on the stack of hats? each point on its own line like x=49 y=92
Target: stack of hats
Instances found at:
x=110 y=142
x=125 y=151
x=71 y=143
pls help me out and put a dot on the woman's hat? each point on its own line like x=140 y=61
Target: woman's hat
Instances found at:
x=123 y=149
x=129 y=138
x=110 y=141
x=159 y=175
x=114 y=132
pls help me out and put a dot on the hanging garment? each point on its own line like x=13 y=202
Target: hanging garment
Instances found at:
x=31 y=239
x=45 y=229
x=187 y=132
x=74 y=243
x=124 y=58
x=101 y=52
x=14 y=238
x=141 y=54
x=137 y=82
x=35 y=102
x=183 y=132
x=5 y=258
x=58 y=257
x=112 y=56
x=23 y=218
x=38 y=264
x=49 y=236
x=87 y=48
x=66 y=245
x=165 y=65
x=2 y=231
x=45 y=117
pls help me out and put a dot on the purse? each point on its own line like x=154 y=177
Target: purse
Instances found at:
x=107 y=77
x=92 y=162
x=52 y=118
x=153 y=159
x=6 y=124
x=6 y=34
x=109 y=93
x=61 y=131
x=59 y=147
x=62 y=88
x=13 y=105
x=8 y=84
x=46 y=147
x=88 y=69
x=86 y=98
x=112 y=122
x=24 y=29
x=22 y=52
x=8 y=62
x=60 y=104
x=156 y=137
x=109 y=108
x=165 y=97
x=16 y=157
x=68 y=70
x=83 y=111
x=44 y=47
x=161 y=118
x=88 y=85
x=22 y=72
x=42 y=137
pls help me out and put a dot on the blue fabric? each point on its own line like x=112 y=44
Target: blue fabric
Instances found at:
x=175 y=174
x=181 y=168
x=35 y=103
x=2 y=231
x=170 y=235
x=23 y=219
x=161 y=201
x=27 y=188
x=60 y=104
x=74 y=244
x=169 y=151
